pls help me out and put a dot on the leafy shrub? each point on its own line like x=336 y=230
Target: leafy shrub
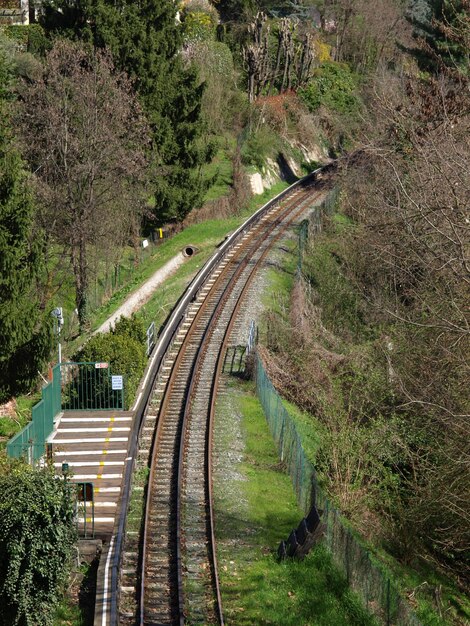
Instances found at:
x=198 y=26
x=38 y=533
x=123 y=349
x=259 y=146
x=30 y=38
x=132 y=327
x=334 y=87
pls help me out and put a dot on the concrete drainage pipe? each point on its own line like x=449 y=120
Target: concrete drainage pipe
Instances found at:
x=189 y=251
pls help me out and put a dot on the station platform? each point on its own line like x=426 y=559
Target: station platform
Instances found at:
x=93 y=445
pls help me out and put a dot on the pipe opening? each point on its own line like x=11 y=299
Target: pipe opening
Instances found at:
x=189 y=251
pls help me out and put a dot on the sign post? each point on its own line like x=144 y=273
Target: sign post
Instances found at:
x=117 y=384
x=85 y=494
x=59 y=316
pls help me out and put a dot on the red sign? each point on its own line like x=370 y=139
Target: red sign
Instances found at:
x=101 y=366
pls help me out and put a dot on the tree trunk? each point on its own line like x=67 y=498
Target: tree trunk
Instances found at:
x=80 y=271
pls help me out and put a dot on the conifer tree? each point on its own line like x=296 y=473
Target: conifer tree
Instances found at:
x=25 y=336
x=231 y=10
x=144 y=39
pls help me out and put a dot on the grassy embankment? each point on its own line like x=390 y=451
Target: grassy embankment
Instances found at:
x=255 y=510
x=205 y=236
x=341 y=307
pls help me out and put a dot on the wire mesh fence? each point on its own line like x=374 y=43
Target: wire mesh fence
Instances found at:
x=365 y=575
x=111 y=277
x=314 y=223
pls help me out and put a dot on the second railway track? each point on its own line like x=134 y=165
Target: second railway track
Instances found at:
x=177 y=569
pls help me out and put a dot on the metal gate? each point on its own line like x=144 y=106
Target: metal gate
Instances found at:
x=91 y=387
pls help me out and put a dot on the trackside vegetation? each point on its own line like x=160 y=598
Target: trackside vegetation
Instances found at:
x=326 y=356
x=118 y=118
x=36 y=543
x=255 y=509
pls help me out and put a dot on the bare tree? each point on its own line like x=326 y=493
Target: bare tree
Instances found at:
x=365 y=33
x=294 y=57
x=409 y=190
x=256 y=56
x=84 y=137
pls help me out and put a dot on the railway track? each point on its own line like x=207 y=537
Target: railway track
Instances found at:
x=177 y=568
x=179 y=573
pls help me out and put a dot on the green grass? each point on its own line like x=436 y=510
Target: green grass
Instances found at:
x=9 y=426
x=256 y=588
x=309 y=429
x=221 y=171
x=281 y=277
x=342 y=222
x=68 y=614
x=76 y=607
x=422 y=580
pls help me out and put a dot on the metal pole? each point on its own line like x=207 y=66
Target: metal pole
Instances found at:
x=59 y=317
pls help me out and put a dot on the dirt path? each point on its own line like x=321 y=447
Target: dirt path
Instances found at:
x=138 y=298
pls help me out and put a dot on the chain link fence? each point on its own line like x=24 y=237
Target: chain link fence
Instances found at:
x=111 y=277
x=364 y=573
x=314 y=224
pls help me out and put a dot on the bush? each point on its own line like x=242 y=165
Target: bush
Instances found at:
x=124 y=350
x=30 y=38
x=132 y=327
x=334 y=87
x=259 y=146
x=199 y=21
x=38 y=533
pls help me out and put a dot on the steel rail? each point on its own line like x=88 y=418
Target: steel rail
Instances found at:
x=283 y=210
x=194 y=381
x=107 y=613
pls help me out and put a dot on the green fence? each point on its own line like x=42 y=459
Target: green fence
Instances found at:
x=91 y=387
x=365 y=575
x=314 y=223
x=31 y=441
x=74 y=386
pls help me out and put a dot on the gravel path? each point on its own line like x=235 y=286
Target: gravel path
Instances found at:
x=138 y=298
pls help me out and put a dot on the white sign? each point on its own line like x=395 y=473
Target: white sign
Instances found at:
x=145 y=243
x=101 y=366
x=116 y=383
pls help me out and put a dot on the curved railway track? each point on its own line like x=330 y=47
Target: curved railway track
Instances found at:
x=177 y=576
x=179 y=572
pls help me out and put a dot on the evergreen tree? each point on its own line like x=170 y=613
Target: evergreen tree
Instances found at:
x=144 y=39
x=25 y=336
x=237 y=10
